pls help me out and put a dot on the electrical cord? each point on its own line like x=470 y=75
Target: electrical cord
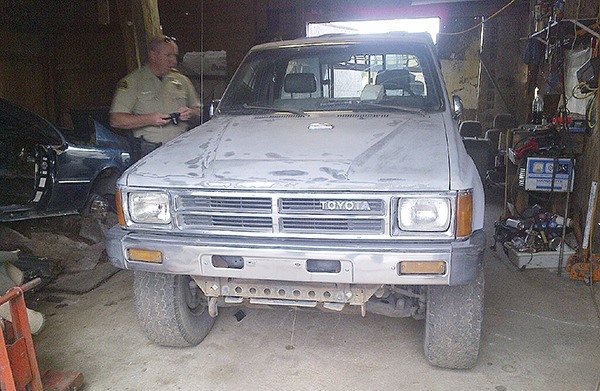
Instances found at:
x=575 y=26
x=591 y=261
x=485 y=20
x=592 y=91
x=590 y=115
x=522 y=268
x=513 y=187
x=591 y=124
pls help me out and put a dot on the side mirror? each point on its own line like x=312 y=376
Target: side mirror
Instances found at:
x=458 y=107
x=212 y=109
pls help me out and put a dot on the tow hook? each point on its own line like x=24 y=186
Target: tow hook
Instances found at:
x=212 y=307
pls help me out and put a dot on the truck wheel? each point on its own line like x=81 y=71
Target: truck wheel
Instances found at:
x=96 y=206
x=453 y=324
x=171 y=309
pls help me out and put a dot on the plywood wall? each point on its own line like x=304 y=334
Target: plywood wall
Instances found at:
x=24 y=71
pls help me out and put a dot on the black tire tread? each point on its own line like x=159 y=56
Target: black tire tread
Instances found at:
x=163 y=314
x=453 y=324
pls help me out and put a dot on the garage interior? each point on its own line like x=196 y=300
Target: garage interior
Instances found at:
x=521 y=67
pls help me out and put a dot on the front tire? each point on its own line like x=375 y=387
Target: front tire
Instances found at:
x=171 y=309
x=96 y=206
x=453 y=324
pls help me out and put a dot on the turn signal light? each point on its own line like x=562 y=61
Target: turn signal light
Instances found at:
x=139 y=255
x=417 y=267
x=119 y=206
x=464 y=215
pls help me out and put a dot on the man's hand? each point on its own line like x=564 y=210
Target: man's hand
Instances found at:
x=132 y=121
x=188 y=113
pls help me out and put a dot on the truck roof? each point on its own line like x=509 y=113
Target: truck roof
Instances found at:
x=339 y=39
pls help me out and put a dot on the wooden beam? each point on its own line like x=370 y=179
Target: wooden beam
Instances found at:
x=124 y=12
x=140 y=22
x=147 y=22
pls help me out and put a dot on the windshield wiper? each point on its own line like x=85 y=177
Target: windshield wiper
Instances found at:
x=273 y=108
x=401 y=108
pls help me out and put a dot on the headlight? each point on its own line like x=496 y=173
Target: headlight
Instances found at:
x=150 y=208
x=424 y=214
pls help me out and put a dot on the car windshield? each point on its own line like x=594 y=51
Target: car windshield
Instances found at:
x=17 y=122
x=332 y=77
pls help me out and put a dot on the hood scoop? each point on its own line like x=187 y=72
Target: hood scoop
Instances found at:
x=354 y=115
x=281 y=116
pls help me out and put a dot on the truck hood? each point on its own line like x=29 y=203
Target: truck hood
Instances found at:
x=338 y=151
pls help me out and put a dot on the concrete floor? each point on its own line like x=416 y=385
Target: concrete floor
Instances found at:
x=541 y=332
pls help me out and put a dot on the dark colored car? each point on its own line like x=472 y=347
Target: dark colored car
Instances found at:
x=49 y=171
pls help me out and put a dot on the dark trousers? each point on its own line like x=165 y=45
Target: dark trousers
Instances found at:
x=141 y=147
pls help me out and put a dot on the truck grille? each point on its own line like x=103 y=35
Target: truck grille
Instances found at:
x=331 y=205
x=331 y=225
x=282 y=215
x=208 y=222
x=224 y=204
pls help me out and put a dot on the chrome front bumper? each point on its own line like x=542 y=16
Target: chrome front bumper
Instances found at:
x=362 y=262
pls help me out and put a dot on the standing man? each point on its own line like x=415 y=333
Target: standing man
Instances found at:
x=155 y=101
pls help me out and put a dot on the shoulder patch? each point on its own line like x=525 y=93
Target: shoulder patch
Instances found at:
x=178 y=85
x=123 y=85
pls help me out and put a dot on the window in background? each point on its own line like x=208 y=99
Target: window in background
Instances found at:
x=418 y=25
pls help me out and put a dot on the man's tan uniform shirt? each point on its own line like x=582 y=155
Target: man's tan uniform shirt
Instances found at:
x=142 y=92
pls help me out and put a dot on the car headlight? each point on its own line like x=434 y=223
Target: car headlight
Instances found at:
x=424 y=214
x=150 y=208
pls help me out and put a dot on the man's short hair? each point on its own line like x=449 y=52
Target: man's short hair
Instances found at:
x=155 y=42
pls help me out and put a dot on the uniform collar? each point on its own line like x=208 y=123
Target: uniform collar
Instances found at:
x=148 y=72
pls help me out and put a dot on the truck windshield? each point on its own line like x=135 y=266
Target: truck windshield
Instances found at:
x=356 y=77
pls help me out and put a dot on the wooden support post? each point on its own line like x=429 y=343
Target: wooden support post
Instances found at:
x=140 y=22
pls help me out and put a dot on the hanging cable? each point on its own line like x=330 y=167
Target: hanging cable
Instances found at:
x=591 y=256
x=590 y=115
x=202 y=119
x=581 y=87
x=485 y=19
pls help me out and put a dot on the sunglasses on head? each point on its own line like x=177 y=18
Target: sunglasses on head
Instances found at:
x=169 y=39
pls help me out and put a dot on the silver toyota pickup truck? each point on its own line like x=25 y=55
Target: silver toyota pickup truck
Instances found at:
x=332 y=175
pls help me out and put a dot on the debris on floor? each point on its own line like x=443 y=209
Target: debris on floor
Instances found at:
x=239 y=315
x=537 y=238
x=579 y=269
x=83 y=281
x=36 y=319
x=73 y=254
x=18 y=360
x=11 y=276
x=68 y=252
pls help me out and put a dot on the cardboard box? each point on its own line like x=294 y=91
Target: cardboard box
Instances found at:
x=211 y=63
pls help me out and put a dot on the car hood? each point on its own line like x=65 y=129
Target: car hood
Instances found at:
x=316 y=151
